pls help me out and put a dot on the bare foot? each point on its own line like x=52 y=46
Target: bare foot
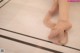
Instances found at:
x=60 y=31
x=53 y=37
x=58 y=37
x=63 y=38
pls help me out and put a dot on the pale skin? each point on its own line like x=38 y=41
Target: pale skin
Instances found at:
x=59 y=30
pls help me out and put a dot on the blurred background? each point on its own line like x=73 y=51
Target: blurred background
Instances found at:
x=26 y=17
